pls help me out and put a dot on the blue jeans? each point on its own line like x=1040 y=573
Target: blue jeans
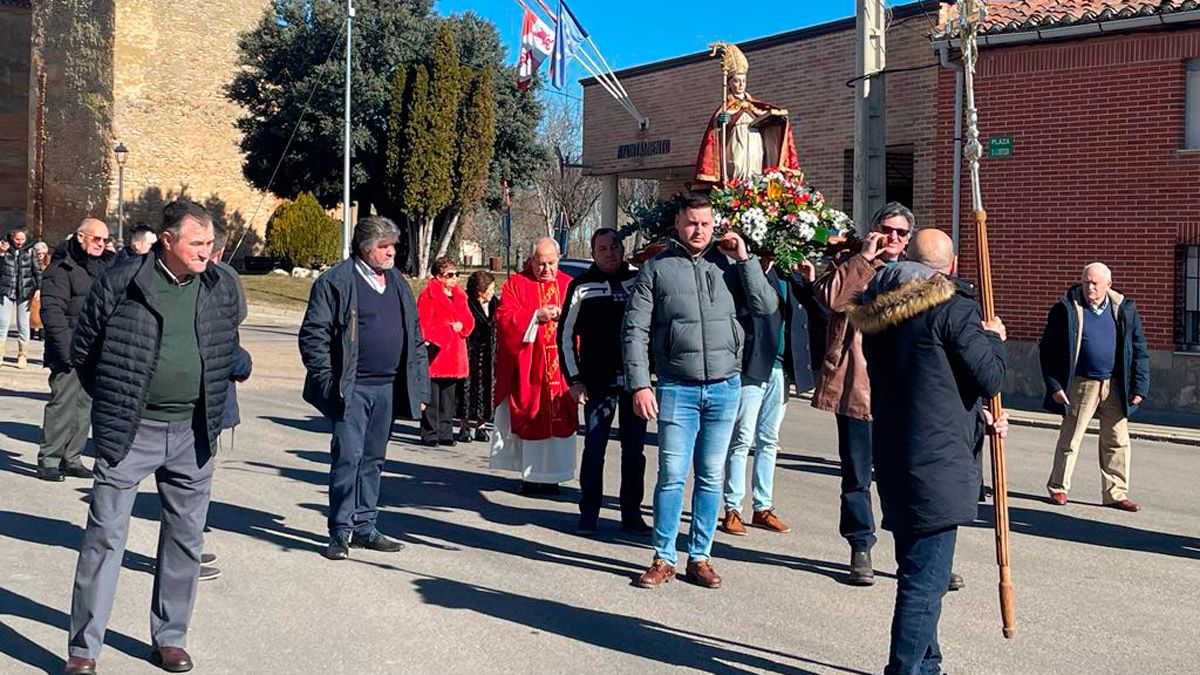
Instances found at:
x=357 y=452
x=857 y=522
x=8 y=307
x=760 y=413
x=923 y=563
x=695 y=422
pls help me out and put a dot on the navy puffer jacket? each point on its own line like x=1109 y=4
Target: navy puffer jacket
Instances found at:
x=116 y=348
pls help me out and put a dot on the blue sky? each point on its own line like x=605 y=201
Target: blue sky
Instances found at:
x=630 y=33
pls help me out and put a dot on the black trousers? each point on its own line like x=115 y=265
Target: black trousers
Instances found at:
x=437 y=422
x=601 y=407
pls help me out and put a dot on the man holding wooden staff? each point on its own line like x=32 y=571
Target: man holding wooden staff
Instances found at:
x=926 y=345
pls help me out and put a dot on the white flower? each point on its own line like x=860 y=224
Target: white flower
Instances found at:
x=753 y=223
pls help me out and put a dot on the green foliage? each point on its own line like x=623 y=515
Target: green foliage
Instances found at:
x=476 y=140
x=303 y=234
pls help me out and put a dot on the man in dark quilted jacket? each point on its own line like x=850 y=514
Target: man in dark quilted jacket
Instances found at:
x=154 y=347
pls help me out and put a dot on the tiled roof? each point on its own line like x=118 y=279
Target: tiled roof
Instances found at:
x=1018 y=16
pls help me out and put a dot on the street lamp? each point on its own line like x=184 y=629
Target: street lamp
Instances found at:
x=121 y=152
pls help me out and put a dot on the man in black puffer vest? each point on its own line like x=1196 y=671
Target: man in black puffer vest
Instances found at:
x=154 y=347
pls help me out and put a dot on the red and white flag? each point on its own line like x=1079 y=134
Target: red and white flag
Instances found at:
x=537 y=42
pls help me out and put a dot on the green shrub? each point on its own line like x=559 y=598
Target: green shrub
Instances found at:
x=303 y=234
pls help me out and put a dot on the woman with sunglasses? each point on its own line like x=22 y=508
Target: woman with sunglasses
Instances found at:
x=446 y=321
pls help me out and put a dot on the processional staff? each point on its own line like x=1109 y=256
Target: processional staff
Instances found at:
x=971 y=14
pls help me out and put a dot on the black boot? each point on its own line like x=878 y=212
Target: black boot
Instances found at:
x=862 y=572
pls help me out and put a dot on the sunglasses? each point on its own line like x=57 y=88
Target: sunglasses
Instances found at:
x=96 y=239
x=901 y=232
x=450 y=275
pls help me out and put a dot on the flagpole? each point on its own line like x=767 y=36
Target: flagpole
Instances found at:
x=346 y=140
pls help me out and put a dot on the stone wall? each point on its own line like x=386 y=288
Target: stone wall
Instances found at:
x=15 y=25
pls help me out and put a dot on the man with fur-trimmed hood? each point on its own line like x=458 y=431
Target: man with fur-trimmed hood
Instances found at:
x=926 y=345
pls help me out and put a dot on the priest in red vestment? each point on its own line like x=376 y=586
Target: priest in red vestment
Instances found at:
x=536 y=416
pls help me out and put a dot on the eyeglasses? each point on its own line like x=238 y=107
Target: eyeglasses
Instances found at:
x=96 y=239
x=450 y=275
x=900 y=232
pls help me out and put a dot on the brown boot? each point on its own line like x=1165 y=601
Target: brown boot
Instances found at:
x=701 y=573
x=732 y=524
x=22 y=351
x=767 y=520
x=661 y=572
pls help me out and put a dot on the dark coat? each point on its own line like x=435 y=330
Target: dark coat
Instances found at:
x=1058 y=350
x=66 y=284
x=762 y=336
x=329 y=344
x=20 y=274
x=589 y=334
x=476 y=399
x=240 y=372
x=116 y=349
x=931 y=362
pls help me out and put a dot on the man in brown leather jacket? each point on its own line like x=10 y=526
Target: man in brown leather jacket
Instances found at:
x=843 y=388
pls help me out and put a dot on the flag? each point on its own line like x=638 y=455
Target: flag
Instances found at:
x=568 y=34
x=537 y=42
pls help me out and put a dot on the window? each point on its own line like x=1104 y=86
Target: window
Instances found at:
x=1189 y=304
x=1191 y=139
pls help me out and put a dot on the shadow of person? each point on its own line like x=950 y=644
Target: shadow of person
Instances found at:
x=809 y=464
x=21 y=431
x=312 y=423
x=51 y=532
x=242 y=520
x=650 y=640
x=31 y=395
x=839 y=572
x=1057 y=525
x=21 y=648
x=11 y=462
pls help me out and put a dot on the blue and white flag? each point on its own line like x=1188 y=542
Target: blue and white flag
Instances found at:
x=568 y=35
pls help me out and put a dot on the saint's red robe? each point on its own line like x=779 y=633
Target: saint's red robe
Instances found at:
x=528 y=373
x=780 y=148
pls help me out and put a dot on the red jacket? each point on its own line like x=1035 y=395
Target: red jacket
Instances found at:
x=437 y=311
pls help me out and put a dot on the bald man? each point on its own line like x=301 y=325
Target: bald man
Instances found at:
x=75 y=264
x=927 y=347
x=1094 y=361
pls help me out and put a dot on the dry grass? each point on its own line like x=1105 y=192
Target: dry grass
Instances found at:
x=275 y=290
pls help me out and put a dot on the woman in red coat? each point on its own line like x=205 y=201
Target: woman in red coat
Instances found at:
x=446 y=321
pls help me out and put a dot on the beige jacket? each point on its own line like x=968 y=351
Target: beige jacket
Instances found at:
x=842 y=386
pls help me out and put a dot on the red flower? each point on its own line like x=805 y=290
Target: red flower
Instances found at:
x=737 y=203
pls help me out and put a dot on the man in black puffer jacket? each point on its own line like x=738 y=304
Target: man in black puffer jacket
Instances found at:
x=154 y=347
x=74 y=266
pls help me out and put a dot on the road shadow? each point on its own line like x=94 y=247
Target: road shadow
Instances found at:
x=12 y=463
x=1063 y=527
x=24 y=650
x=809 y=464
x=60 y=533
x=650 y=640
x=243 y=520
x=31 y=395
x=311 y=424
x=21 y=431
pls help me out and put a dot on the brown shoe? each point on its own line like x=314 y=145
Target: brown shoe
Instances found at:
x=661 y=572
x=172 y=659
x=702 y=573
x=1126 y=505
x=77 y=665
x=1059 y=498
x=767 y=520
x=732 y=524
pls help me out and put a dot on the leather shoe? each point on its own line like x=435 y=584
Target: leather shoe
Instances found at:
x=956 y=582
x=77 y=665
x=172 y=659
x=587 y=526
x=50 y=473
x=661 y=572
x=1126 y=505
x=1058 y=498
x=732 y=524
x=862 y=572
x=339 y=548
x=767 y=520
x=636 y=526
x=701 y=573
x=75 y=471
x=376 y=541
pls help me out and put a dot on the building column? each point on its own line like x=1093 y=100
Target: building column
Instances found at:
x=608 y=200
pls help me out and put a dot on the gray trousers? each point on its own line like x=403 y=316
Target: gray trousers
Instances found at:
x=65 y=421
x=167 y=450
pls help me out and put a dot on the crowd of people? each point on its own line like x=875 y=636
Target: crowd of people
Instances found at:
x=707 y=340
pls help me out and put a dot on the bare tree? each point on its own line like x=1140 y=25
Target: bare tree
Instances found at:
x=562 y=191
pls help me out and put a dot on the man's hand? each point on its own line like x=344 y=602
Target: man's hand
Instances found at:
x=997 y=327
x=645 y=405
x=1060 y=397
x=548 y=313
x=1000 y=426
x=1136 y=399
x=456 y=326
x=579 y=392
x=808 y=271
x=733 y=245
x=873 y=245
x=422 y=407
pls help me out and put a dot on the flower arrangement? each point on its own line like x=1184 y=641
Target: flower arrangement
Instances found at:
x=777 y=213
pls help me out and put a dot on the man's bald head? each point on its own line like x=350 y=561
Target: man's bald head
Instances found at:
x=92 y=235
x=543 y=259
x=932 y=248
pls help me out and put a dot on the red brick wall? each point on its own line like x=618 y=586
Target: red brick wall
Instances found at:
x=1096 y=175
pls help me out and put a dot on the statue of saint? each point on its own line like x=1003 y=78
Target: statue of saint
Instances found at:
x=745 y=134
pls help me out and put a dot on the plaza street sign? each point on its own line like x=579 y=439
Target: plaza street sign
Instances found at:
x=1000 y=146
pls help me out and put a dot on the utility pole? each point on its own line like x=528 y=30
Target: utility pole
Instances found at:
x=346 y=140
x=870 y=113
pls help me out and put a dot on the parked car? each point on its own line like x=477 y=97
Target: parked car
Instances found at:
x=573 y=267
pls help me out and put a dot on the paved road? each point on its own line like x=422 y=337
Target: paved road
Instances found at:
x=493 y=582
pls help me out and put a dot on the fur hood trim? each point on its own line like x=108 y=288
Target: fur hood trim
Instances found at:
x=895 y=306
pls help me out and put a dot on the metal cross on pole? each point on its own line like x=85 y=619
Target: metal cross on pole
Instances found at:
x=971 y=14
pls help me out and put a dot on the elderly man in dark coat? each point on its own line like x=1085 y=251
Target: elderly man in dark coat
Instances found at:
x=929 y=350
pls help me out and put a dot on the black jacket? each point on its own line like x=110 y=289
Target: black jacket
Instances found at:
x=116 y=349
x=66 y=284
x=329 y=344
x=931 y=362
x=1058 y=350
x=762 y=336
x=589 y=335
x=20 y=274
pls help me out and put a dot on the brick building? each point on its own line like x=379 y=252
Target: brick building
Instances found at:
x=1096 y=101
x=149 y=74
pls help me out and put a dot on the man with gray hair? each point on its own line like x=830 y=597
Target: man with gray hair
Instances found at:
x=1094 y=360
x=367 y=362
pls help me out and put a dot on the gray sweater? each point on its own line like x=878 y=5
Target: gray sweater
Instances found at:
x=685 y=310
